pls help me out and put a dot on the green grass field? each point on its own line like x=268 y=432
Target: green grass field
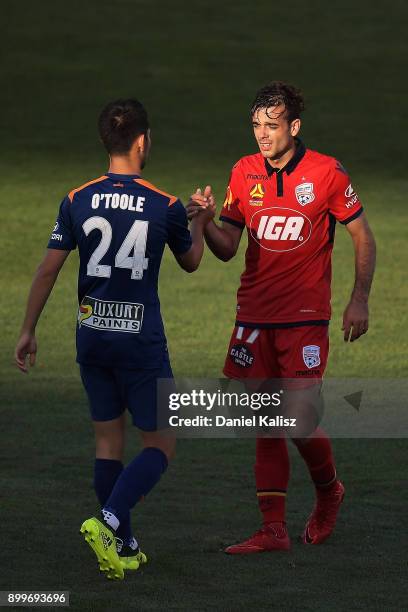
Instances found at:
x=197 y=66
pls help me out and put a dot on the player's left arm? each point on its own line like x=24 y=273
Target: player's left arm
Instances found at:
x=41 y=288
x=355 y=316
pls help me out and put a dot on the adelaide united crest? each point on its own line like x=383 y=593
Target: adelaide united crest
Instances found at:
x=304 y=193
x=311 y=355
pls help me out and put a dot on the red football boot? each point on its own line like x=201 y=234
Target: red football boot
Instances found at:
x=322 y=521
x=272 y=536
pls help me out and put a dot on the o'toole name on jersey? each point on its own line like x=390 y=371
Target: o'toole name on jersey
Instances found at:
x=122 y=201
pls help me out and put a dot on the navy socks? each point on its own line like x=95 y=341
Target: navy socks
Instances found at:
x=133 y=483
x=106 y=473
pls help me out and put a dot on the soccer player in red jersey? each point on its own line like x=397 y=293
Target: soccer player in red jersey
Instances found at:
x=289 y=199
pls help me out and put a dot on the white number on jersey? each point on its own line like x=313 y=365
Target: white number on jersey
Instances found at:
x=94 y=268
x=136 y=239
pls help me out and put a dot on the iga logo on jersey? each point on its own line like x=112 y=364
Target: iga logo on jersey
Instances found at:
x=304 y=193
x=311 y=355
x=280 y=229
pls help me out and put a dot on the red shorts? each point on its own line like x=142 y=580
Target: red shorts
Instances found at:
x=293 y=353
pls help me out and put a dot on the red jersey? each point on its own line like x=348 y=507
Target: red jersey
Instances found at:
x=290 y=216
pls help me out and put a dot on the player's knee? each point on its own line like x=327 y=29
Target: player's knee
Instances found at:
x=168 y=447
x=167 y=444
x=108 y=453
x=304 y=410
x=108 y=447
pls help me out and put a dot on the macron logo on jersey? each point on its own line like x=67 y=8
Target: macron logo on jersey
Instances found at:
x=280 y=231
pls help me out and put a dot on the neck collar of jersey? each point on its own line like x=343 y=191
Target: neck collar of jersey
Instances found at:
x=292 y=163
x=122 y=177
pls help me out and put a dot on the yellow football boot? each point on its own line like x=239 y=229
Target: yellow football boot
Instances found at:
x=130 y=559
x=102 y=541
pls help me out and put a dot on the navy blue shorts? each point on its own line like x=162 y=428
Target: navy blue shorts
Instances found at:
x=111 y=390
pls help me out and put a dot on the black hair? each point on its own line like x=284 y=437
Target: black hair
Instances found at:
x=278 y=92
x=120 y=123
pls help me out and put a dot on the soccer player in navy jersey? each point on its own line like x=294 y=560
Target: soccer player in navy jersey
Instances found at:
x=288 y=199
x=120 y=224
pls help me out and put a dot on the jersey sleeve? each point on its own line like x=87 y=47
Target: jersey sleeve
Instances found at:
x=178 y=234
x=344 y=203
x=232 y=210
x=62 y=236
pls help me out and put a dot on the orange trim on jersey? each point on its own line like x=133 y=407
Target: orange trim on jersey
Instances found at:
x=74 y=191
x=172 y=199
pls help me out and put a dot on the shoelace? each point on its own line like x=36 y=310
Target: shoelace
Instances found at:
x=119 y=545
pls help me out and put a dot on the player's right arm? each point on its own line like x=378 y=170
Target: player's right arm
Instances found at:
x=222 y=241
x=61 y=243
x=41 y=288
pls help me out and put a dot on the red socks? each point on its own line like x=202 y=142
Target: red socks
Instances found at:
x=272 y=476
x=318 y=456
x=272 y=470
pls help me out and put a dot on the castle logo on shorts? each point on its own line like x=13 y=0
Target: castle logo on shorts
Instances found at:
x=311 y=355
x=110 y=316
x=241 y=355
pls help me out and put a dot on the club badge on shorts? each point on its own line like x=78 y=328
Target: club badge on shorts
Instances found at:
x=311 y=356
x=304 y=193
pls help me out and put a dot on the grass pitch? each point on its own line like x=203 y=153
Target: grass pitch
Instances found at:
x=196 y=66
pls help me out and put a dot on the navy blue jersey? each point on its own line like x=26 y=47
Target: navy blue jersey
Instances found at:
x=121 y=224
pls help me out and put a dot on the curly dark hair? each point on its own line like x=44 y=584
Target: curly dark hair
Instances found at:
x=278 y=92
x=120 y=123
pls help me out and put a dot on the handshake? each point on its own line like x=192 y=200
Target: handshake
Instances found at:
x=201 y=206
